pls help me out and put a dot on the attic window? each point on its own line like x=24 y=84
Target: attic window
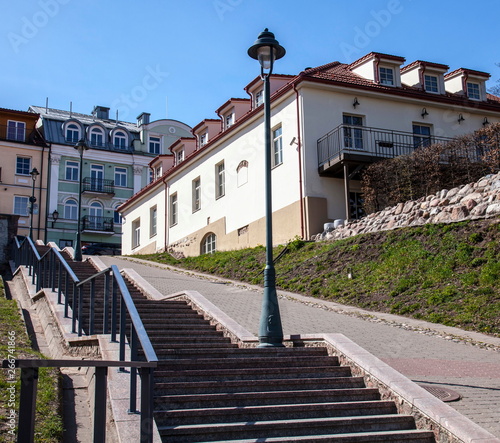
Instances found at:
x=203 y=138
x=386 y=76
x=259 y=98
x=431 y=83
x=229 y=119
x=473 y=91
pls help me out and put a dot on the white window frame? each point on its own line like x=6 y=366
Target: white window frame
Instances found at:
x=72 y=170
x=259 y=98
x=153 y=221
x=21 y=168
x=71 y=209
x=120 y=140
x=16 y=130
x=21 y=205
x=154 y=144
x=431 y=83
x=386 y=76
x=229 y=119
x=474 y=90
x=196 y=188
x=173 y=206
x=209 y=244
x=72 y=128
x=96 y=136
x=220 y=180
x=277 y=147
x=136 y=233
x=179 y=156
x=203 y=138
x=120 y=176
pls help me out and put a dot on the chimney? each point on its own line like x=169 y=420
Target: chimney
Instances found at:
x=101 y=112
x=143 y=119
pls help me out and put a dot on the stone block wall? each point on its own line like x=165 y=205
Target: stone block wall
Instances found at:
x=468 y=202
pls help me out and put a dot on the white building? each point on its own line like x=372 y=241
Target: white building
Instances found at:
x=327 y=124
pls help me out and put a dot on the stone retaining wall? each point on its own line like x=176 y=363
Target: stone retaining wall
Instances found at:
x=468 y=202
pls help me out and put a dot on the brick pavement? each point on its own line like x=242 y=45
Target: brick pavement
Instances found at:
x=422 y=355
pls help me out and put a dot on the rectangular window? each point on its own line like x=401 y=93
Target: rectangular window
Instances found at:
x=136 y=233
x=21 y=205
x=16 y=131
x=23 y=166
x=220 y=180
x=431 y=83
x=353 y=137
x=121 y=177
x=277 y=157
x=259 y=98
x=421 y=136
x=473 y=91
x=173 y=209
x=179 y=156
x=196 y=194
x=203 y=139
x=229 y=119
x=158 y=172
x=152 y=220
x=386 y=76
x=72 y=170
x=154 y=145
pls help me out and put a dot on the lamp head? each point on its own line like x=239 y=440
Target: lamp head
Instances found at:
x=81 y=146
x=266 y=49
x=34 y=173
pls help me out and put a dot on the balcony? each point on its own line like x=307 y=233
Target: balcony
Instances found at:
x=94 y=185
x=357 y=146
x=102 y=225
x=22 y=135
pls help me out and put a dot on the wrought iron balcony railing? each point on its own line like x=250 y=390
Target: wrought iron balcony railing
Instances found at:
x=95 y=223
x=372 y=143
x=98 y=185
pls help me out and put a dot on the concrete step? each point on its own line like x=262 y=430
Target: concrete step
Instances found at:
x=261 y=373
x=256 y=385
x=282 y=412
x=239 y=399
x=280 y=428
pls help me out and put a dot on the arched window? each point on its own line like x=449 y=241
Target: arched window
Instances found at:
x=117 y=217
x=71 y=209
x=72 y=133
x=209 y=243
x=95 y=215
x=120 y=140
x=96 y=137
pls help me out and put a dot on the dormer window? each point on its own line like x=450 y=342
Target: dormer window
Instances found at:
x=229 y=119
x=97 y=137
x=179 y=156
x=72 y=133
x=120 y=140
x=16 y=130
x=431 y=83
x=473 y=91
x=203 y=139
x=259 y=98
x=386 y=76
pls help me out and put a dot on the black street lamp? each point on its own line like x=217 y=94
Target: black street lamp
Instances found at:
x=34 y=174
x=81 y=147
x=266 y=50
x=55 y=216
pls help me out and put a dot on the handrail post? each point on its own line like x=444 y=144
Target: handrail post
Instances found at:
x=147 y=387
x=133 y=371
x=59 y=286
x=53 y=270
x=114 y=309
x=122 y=331
x=27 y=405
x=105 y=325
x=101 y=374
x=80 y=310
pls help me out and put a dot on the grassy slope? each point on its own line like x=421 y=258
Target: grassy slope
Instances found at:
x=48 y=426
x=448 y=274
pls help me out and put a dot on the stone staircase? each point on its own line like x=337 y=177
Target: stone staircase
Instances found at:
x=208 y=389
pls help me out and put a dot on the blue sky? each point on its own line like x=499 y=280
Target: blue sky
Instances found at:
x=184 y=59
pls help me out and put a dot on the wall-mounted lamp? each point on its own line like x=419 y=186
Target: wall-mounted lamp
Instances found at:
x=424 y=112
x=355 y=102
x=485 y=121
x=55 y=216
x=460 y=118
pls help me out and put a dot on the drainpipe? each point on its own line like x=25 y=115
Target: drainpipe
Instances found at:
x=299 y=150
x=166 y=233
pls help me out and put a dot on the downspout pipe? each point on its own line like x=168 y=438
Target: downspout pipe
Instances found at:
x=299 y=151
x=166 y=231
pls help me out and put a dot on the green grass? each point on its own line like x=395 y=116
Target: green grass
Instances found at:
x=447 y=274
x=15 y=342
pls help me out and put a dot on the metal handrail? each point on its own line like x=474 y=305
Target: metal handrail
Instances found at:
x=51 y=264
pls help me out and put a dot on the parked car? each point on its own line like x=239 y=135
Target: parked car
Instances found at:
x=102 y=249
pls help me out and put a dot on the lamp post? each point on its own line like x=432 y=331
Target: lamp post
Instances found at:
x=266 y=50
x=81 y=147
x=55 y=216
x=34 y=174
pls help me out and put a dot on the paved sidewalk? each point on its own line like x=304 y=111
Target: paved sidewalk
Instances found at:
x=430 y=354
